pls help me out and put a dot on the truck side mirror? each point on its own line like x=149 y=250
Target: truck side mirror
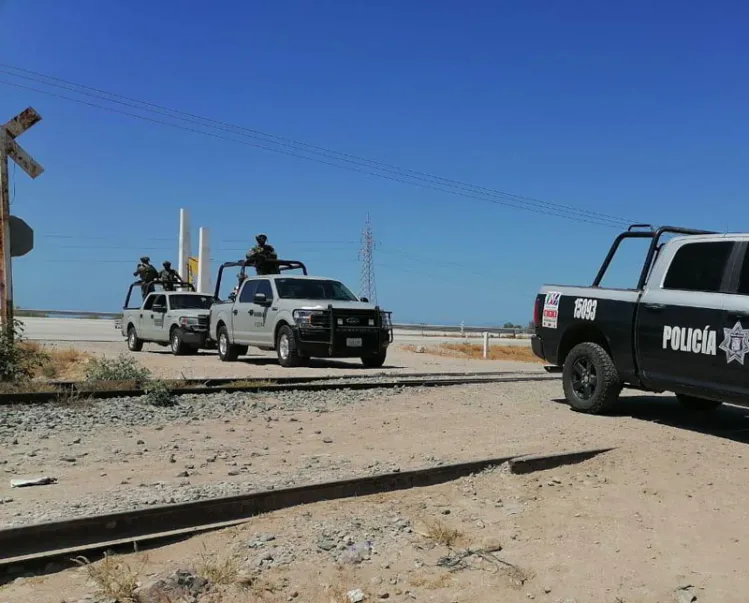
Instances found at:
x=364 y=299
x=159 y=308
x=260 y=299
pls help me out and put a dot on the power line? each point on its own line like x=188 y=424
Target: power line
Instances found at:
x=422 y=178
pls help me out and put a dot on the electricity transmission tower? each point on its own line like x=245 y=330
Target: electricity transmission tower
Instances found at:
x=367 y=279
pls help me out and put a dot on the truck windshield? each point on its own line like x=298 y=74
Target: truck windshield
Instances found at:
x=304 y=288
x=190 y=302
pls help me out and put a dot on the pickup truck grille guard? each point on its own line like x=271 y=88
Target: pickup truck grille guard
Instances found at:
x=339 y=322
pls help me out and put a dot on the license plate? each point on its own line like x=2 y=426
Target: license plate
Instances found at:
x=354 y=342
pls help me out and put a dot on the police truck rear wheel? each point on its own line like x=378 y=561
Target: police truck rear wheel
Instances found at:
x=590 y=380
x=134 y=344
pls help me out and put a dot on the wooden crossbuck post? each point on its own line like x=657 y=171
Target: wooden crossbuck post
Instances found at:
x=10 y=148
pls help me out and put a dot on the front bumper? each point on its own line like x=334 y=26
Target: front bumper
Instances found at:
x=345 y=333
x=194 y=336
x=322 y=345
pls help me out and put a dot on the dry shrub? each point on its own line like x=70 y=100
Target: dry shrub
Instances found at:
x=113 y=577
x=220 y=569
x=474 y=352
x=440 y=532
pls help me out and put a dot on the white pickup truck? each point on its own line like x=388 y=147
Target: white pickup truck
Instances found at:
x=299 y=317
x=175 y=318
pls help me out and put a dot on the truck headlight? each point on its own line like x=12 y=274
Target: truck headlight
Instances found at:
x=303 y=318
x=187 y=321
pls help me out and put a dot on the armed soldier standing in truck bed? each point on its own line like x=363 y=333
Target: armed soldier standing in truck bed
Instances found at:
x=146 y=273
x=259 y=255
x=169 y=276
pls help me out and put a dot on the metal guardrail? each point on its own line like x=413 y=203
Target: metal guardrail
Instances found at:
x=400 y=326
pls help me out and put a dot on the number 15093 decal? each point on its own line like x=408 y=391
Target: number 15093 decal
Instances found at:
x=584 y=308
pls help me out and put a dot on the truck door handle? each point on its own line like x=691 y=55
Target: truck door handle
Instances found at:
x=250 y=312
x=234 y=312
x=655 y=307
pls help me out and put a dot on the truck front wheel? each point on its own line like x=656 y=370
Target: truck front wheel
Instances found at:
x=374 y=361
x=590 y=380
x=286 y=348
x=175 y=342
x=227 y=351
x=134 y=344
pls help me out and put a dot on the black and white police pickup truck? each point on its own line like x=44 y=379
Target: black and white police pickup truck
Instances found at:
x=683 y=329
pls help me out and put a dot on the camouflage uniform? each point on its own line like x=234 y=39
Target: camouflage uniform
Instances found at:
x=259 y=255
x=147 y=274
x=169 y=277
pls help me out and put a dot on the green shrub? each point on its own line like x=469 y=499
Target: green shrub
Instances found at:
x=158 y=394
x=18 y=363
x=121 y=368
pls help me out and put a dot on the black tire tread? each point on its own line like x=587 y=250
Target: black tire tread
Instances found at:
x=232 y=351
x=609 y=385
x=181 y=349
x=138 y=345
x=374 y=360
x=294 y=359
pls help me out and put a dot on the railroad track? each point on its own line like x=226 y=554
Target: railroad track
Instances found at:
x=183 y=387
x=36 y=546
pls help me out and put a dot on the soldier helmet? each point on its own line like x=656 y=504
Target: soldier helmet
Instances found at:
x=145 y=259
x=261 y=238
x=166 y=263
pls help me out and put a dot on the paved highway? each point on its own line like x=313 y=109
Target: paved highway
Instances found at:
x=86 y=329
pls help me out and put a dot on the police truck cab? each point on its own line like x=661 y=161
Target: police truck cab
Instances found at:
x=683 y=329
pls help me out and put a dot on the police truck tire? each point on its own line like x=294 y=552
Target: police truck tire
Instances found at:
x=134 y=344
x=176 y=344
x=227 y=351
x=374 y=361
x=697 y=404
x=590 y=380
x=286 y=348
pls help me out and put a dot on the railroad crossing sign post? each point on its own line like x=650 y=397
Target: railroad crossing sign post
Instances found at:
x=10 y=148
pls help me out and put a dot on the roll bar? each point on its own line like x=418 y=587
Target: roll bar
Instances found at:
x=654 y=235
x=151 y=289
x=282 y=265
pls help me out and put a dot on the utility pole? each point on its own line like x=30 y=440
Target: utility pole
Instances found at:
x=10 y=148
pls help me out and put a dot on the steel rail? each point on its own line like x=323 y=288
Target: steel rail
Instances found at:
x=39 y=544
x=215 y=382
x=179 y=389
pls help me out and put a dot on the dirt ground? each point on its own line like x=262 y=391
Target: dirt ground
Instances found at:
x=260 y=364
x=668 y=508
x=610 y=530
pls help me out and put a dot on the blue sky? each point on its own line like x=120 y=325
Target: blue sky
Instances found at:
x=637 y=110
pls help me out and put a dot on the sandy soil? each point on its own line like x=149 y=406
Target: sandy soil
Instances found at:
x=265 y=364
x=628 y=526
x=668 y=508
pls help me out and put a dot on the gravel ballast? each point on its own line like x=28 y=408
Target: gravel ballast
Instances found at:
x=121 y=454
